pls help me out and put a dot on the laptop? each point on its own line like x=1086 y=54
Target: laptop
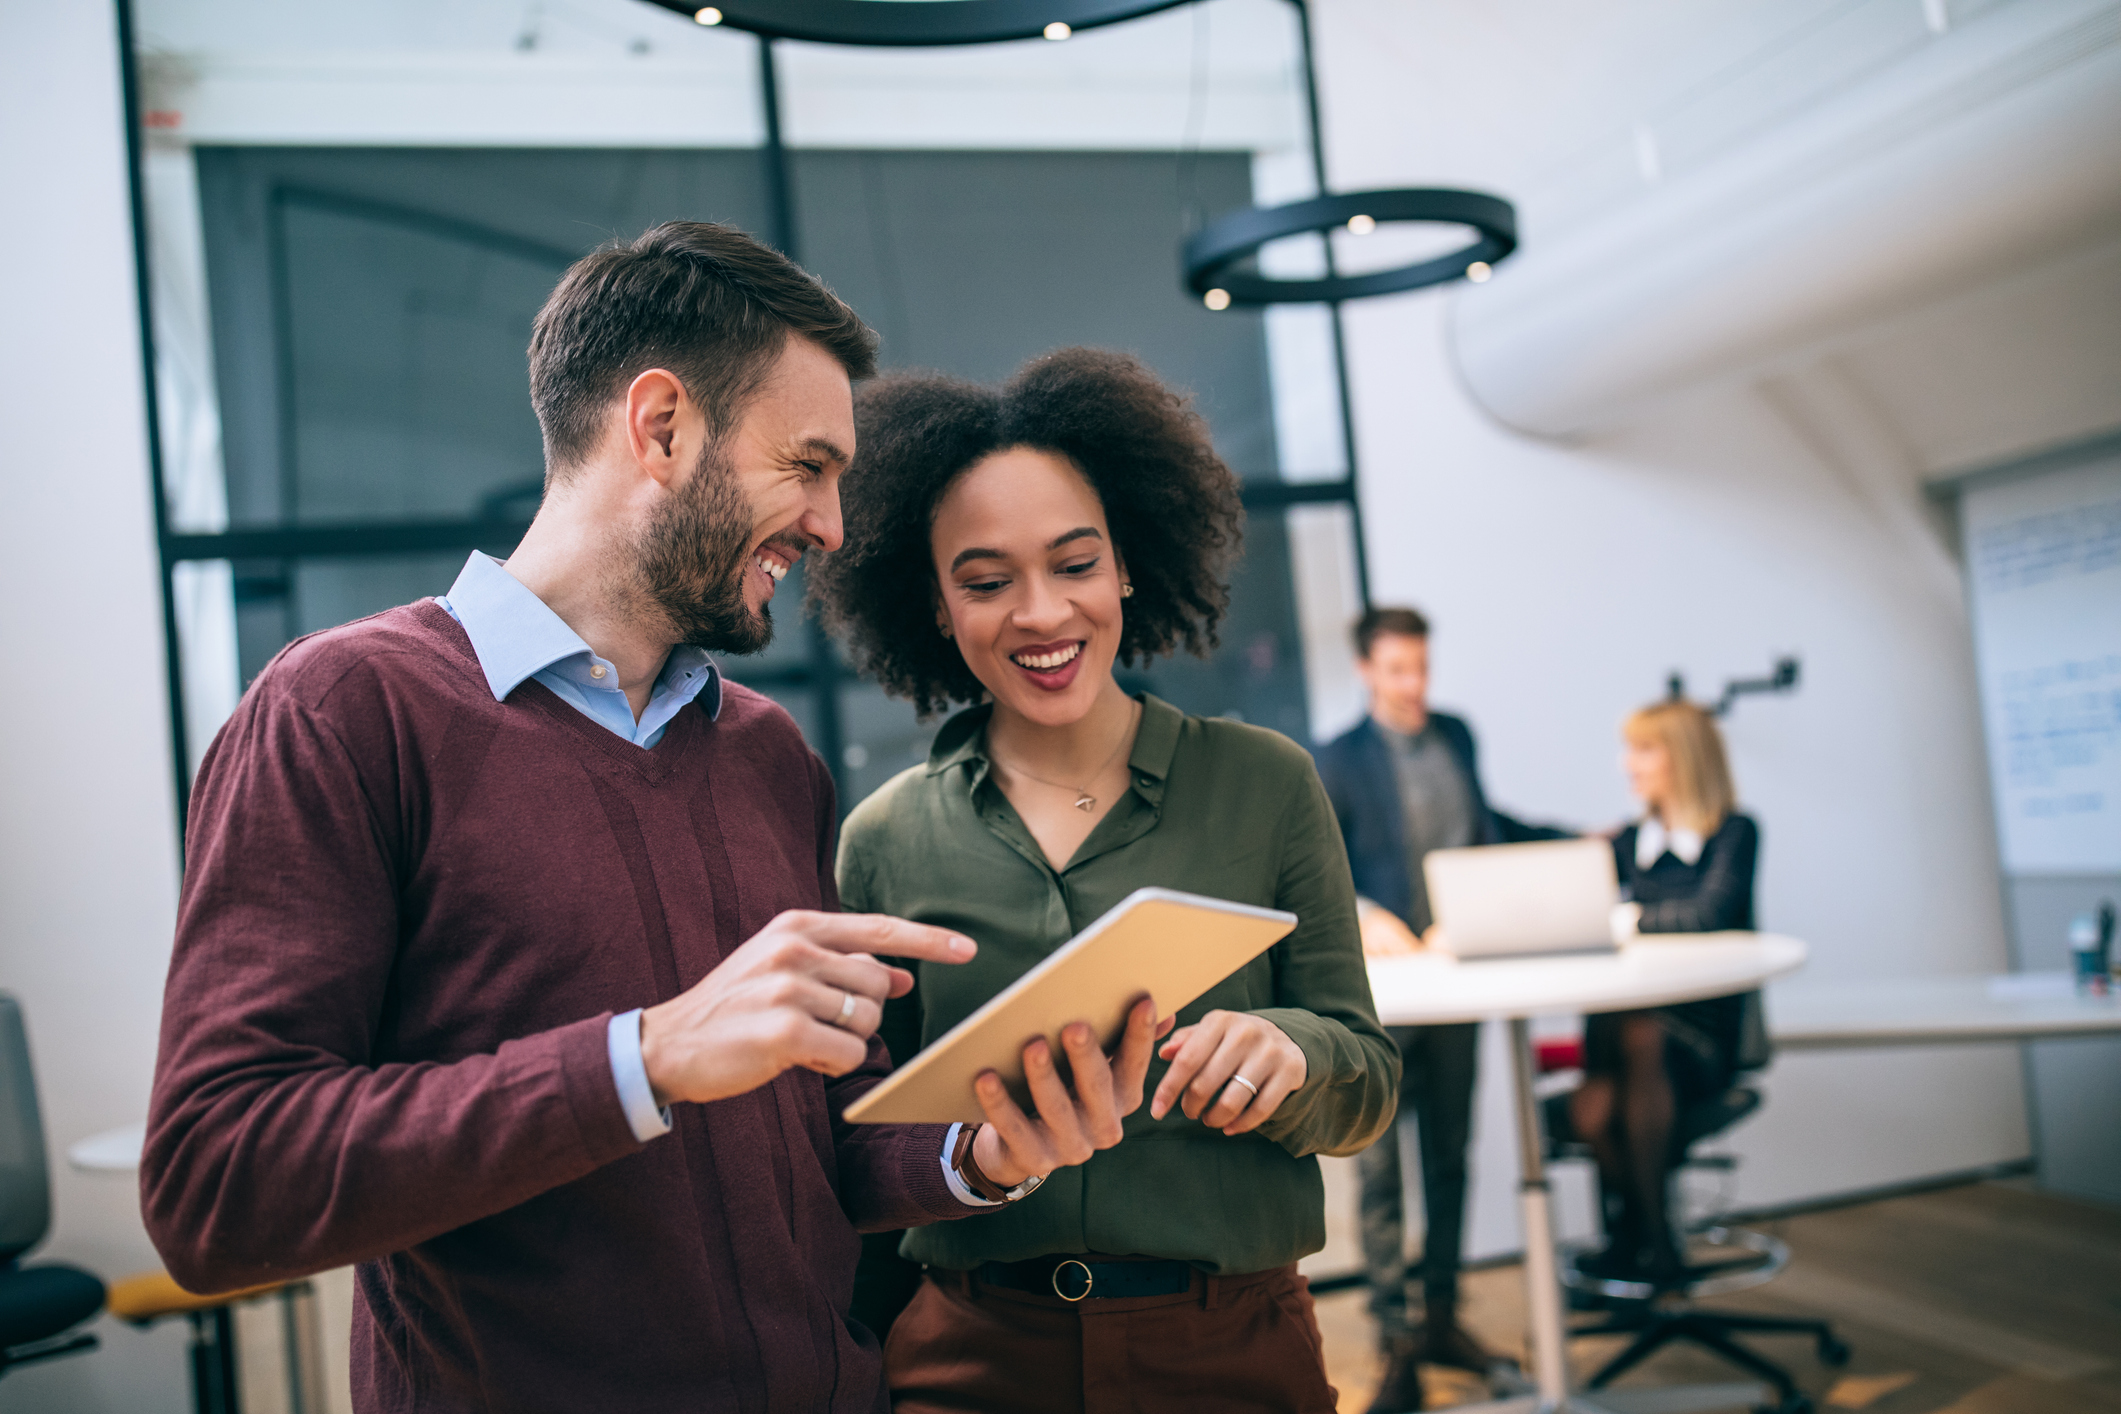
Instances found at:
x=1511 y=900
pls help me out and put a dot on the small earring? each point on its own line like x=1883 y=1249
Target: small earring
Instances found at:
x=1126 y=591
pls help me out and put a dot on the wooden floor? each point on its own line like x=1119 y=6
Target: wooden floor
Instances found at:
x=1988 y=1299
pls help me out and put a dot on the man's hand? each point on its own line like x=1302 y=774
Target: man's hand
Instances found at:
x=1207 y=1059
x=1069 y=1128
x=783 y=1000
x=1383 y=934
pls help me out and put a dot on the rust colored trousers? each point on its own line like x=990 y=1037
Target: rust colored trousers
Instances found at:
x=1232 y=1345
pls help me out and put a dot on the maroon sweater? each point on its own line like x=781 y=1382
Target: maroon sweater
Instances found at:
x=409 y=912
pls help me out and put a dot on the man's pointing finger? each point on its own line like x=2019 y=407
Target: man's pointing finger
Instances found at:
x=886 y=937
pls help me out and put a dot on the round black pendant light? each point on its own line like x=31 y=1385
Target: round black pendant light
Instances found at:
x=911 y=22
x=1222 y=243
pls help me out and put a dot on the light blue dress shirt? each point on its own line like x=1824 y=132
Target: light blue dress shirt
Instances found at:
x=517 y=636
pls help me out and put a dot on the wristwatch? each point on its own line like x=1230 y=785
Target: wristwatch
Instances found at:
x=967 y=1169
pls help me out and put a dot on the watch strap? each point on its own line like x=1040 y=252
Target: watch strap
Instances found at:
x=968 y=1169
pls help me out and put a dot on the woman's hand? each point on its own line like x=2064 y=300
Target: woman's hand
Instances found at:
x=1207 y=1059
x=1074 y=1120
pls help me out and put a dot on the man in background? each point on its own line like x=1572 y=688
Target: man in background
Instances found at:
x=1404 y=781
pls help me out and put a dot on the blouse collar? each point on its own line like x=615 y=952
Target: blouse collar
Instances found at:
x=1653 y=840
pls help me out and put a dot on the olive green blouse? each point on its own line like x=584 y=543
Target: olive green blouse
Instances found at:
x=1214 y=807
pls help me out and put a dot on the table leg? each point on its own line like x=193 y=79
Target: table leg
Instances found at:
x=1542 y=1284
x=302 y=1336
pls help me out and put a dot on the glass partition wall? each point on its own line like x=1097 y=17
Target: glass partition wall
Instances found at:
x=352 y=221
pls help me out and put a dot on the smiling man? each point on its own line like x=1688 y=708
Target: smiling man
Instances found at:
x=509 y=964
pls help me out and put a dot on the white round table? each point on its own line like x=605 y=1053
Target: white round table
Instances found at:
x=112 y=1151
x=1431 y=988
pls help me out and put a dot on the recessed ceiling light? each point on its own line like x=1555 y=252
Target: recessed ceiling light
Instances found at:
x=1361 y=225
x=1058 y=31
x=1216 y=299
x=708 y=16
x=1479 y=271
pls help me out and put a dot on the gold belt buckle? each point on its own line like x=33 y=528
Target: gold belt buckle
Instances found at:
x=1089 y=1280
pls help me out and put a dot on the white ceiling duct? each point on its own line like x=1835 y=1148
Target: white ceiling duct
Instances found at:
x=1996 y=145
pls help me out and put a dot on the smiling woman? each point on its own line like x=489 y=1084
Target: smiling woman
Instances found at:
x=1006 y=549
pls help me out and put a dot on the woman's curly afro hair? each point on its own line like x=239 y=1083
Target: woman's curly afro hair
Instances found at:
x=1172 y=506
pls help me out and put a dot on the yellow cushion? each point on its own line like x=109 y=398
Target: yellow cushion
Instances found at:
x=149 y=1296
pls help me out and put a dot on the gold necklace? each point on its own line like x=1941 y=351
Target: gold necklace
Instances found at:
x=1084 y=801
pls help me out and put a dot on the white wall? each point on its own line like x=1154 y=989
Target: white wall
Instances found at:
x=1780 y=510
x=88 y=849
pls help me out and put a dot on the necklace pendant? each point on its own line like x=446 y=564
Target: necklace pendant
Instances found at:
x=1086 y=802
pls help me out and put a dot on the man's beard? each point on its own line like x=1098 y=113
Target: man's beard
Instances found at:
x=693 y=557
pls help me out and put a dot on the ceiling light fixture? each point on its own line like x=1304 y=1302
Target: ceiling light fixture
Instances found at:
x=708 y=16
x=1222 y=243
x=880 y=22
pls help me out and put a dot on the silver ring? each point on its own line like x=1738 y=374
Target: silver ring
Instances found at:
x=1239 y=1079
x=846 y=1009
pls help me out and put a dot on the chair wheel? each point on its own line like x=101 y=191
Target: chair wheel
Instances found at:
x=1833 y=1352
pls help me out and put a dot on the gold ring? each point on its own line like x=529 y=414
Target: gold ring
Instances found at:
x=846 y=1009
x=1240 y=1080
x=1089 y=1279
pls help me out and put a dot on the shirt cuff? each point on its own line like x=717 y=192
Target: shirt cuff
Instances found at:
x=958 y=1187
x=630 y=1074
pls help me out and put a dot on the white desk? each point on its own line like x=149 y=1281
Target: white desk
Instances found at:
x=112 y=1151
x=1922 y=1011
x=1430 y=989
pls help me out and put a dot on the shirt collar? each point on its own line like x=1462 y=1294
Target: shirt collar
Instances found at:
x=964 y=739
x=1653 y=840
x=516 y=635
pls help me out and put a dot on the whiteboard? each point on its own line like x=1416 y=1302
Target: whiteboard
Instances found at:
x=2043 y=561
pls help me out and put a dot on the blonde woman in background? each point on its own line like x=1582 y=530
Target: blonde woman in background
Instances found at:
x=1687 y=867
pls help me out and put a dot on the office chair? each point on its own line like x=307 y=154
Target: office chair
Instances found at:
x=40 y=1306
x=1739 y=1259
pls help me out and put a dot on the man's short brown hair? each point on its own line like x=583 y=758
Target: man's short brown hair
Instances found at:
x=1375 y=622
x=707 y=302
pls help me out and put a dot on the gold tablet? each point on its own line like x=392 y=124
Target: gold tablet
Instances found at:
x=1170 y=945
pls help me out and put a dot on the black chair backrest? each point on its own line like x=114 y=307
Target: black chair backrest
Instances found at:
x=25 y=1180
x=1697 y=1122
x=1755 y=1050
